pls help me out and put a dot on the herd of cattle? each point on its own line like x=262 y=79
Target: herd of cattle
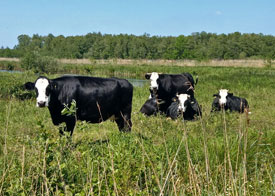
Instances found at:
x=98 y=99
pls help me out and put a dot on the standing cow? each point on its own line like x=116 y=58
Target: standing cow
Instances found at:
x=97 y=99
x=227 y=101
x=166 y=86
x=184 y=106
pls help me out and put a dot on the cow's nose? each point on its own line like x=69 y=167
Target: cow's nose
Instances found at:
x=41 y=103
x=154 y=89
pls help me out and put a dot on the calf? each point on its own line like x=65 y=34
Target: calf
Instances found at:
x=225 y=100
x=184 y=105
x=151 y=106
x=97 y=99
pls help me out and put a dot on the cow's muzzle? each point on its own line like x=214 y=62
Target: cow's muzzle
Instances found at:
x=41 y=104
x=154 y=89
x=222 y=105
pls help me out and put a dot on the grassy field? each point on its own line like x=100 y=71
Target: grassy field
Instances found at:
x=221 y=154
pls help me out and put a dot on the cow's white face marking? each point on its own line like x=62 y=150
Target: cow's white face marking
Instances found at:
x=182 y=99
x=223 y=93
x=43 y=97
x=153 y=78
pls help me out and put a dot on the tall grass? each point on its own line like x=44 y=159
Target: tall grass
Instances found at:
x=220 y=154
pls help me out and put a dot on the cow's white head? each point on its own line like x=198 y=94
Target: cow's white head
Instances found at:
x=42 y=89
x=154 y=76
x=182 y=100
x=222 y=96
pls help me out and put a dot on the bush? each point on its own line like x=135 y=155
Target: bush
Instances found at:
x=12 y=87
x=39 y=64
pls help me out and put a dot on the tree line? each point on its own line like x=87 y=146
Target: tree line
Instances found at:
x=199 y=46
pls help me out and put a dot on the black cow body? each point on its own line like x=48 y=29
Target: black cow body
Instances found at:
x=192 y=112
x=233 y=103
x=97 y=99
x=168 y=85
x=150 y=107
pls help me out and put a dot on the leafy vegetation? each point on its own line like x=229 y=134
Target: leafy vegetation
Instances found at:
x=199 y=46
x=221 y=154
x=39 y=64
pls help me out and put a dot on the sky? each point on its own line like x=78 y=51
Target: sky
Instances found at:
x=154 y=17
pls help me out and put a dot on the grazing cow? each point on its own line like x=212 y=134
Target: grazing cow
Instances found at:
x=166 y=86
x=97 y=99
x=225 y=100
x=184 y=106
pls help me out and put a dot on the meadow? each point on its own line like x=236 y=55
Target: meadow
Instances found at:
x=220 y=154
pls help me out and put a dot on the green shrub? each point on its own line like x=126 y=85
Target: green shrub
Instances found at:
x=12 y=86
x=39 y=64
x=10 y=66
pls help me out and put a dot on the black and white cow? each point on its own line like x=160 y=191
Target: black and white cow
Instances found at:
x=227 y=101
x=166 y=86
x=184 y=105
x=97 y=99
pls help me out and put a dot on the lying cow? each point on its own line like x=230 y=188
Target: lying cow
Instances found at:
x=165 y=86
x=185 y=106
x=97 y=99
x=151 y=106
x=225 y=100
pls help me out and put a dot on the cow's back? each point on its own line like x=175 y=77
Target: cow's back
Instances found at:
x=237 y=104
x=170 y=84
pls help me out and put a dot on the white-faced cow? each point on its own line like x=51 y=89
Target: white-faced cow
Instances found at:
x=184 y=105
x=97 y=99
x=227 y=101
x=166 y=86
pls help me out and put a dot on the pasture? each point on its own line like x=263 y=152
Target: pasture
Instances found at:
x=221 y=154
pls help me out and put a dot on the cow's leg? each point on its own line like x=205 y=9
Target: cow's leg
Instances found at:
x=56 y=122
x=61 y=132
x=124 y=122
x=70 y=124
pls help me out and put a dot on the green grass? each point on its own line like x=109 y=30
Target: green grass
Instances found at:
x=218 y=155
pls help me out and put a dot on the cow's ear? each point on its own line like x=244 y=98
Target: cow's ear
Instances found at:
x=147 y=76
x=29 y=86
x=215 y=95
x=174 y=99
x=230 y=94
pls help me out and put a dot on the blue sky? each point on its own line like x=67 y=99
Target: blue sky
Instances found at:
x=155 y=17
